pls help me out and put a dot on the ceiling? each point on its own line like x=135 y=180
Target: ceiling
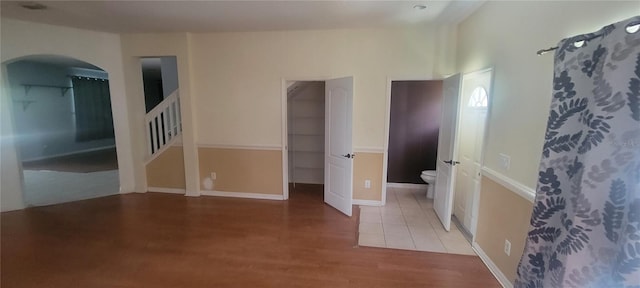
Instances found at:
x=218 y=16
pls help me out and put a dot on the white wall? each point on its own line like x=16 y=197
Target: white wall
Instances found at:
x=506 y=35
x=238 y=77
x=20 y=39
x=46 y=127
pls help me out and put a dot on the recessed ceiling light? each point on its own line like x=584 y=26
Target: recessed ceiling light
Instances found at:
x=33 y=5
x=419 y=7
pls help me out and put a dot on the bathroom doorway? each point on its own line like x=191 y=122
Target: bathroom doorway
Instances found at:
x=414 y=122
x=407 y=219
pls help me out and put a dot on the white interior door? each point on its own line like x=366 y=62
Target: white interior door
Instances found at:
x=476 y=88
x=338 y=166
x=445 y=166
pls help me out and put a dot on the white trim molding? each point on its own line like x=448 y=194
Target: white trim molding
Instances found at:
x=243 y=147
x=368 y=150
x=241 y=195
x=367 y=202
x=166 y=190
x=513 y=185
x=504 y=281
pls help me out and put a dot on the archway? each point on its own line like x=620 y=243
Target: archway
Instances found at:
x=62 y=129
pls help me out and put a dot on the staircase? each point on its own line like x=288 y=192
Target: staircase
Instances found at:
x=163 y=125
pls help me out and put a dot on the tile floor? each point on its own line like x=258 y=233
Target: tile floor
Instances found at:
x=408 y=221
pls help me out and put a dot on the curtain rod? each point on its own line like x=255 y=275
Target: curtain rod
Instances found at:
x=585 y=38
x=545 y=51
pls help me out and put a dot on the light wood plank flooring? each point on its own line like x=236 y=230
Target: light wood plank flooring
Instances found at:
x=161 y=240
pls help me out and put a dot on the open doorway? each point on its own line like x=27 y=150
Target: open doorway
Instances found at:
x=323 y=112
x=64 y=129
x=414 y=122
x=419 y=113
x=306 y=137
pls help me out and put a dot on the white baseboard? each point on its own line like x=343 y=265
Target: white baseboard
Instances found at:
x=166 y=190
x=492 y=266
x=241 y=195
x=367 y=202
x=407 y=185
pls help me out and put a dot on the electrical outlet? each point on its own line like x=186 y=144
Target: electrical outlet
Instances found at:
x=367 y=184
x=213 y=175
x=507 y=247
x=505 y=161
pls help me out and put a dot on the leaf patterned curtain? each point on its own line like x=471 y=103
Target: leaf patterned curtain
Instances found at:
x=585 y=225
x=92 y=101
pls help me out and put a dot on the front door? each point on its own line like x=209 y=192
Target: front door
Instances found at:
x=473 y=112
x=338 y=167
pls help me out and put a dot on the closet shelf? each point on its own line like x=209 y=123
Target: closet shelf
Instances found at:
x=309 y=168
x=63 y=89
x=306 y=151
x=304 y=134
x=307 y=117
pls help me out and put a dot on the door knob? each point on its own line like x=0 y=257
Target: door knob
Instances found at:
x=451 y=162
x=349 y=156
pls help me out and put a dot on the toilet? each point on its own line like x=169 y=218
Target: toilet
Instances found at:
x=429 y=177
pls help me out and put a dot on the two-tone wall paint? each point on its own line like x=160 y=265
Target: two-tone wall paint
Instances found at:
x=236 y=86
x=520 y=105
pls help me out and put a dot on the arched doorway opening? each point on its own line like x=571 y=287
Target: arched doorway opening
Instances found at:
x=62 y=129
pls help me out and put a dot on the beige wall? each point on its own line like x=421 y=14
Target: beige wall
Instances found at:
x=503 y=215
x=238 y=77
x=367 y=166
x=506 y=35
x=242 y=170
x=21 y=39
x=135 y=46
x=167 y=170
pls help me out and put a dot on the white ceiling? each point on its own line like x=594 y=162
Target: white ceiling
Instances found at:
x=216 y=16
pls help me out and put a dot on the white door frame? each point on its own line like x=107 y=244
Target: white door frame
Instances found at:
x=385 y=156
x=284 y=128
x=475 y=203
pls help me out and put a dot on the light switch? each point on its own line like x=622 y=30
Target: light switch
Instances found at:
x=505 y=161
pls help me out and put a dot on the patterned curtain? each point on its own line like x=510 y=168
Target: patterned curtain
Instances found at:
x=92 y=101
x=585 y=225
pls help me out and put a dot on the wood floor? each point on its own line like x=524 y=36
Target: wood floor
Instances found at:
x=162 y=240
